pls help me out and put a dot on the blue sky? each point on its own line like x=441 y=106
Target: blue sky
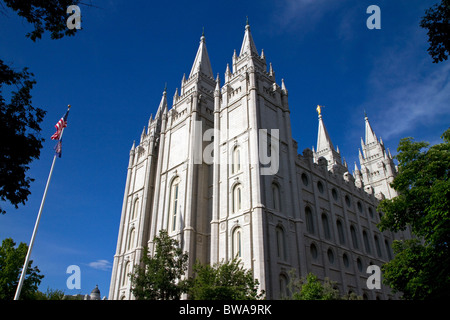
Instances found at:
x=114 y=70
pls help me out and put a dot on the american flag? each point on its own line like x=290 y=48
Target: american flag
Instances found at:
x=62 y=123
x=58 y=148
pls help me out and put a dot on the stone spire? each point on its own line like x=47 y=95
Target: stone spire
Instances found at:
x=325 y=147
x=201 y=62
x=323 y=138
x=248 y=46
x=370 y=135
x=377 y=168
x=162 y=105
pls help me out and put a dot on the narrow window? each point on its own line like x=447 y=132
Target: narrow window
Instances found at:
x=283 y=286
x=236 y=167
x=309 y=220
x=326 y=226
x=237 y=198
x=174 y=203
x=125 y=275
x=341 y=234
x=131 y=239
x=135 y=209
x=276 y=197
x=377 y=245
x=281 y=248
x=237 y=243
x=354 y=237
x=366 y=242
x=388 y=249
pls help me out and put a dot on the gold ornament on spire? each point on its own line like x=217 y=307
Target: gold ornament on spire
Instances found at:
x=319 y=109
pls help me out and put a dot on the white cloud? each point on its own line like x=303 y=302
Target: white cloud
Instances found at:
x=103 y=265
x=407 y=90
x=293 y=13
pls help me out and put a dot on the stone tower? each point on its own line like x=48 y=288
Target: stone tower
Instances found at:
x=377 y=166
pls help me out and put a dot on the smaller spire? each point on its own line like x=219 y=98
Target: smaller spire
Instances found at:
x=227 y=73
x=356 y=168
x=262 y=54
x=175 y=96
x=217 y=83
x=283 y=87
x=271 y=72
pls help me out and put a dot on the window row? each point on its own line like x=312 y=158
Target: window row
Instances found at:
x=236 y=244
x=345 y=258
x=335 y=195
x=311 y=228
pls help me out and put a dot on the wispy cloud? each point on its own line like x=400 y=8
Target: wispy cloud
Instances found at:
x=408 y=91
x=296 y=13
x=103 y=265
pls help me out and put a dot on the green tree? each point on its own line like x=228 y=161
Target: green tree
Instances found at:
x=159 y=277
x=437 y=21
x=44 y=15
x=224 y=281
x=19 y=119
x=311 y=288
x=421 y=267
x=11 y=263
x=19 y=129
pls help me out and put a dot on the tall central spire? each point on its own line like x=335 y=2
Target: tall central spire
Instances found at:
x=248 y=46
x=201 y=62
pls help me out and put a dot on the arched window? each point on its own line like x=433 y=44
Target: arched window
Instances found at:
x=388 y=249
x=309 y=220
x=341 y=233
x=237 y=198
x=135 y=209
x=276 y=197
x=377 y=245
x=237 y=243
x=125 y=274
x=236 y=165
x=281 y=247
x=354 y=237
x=366 y=242
x=131 y=239
x=173 y=204
x=283 y=286
x=326 y=226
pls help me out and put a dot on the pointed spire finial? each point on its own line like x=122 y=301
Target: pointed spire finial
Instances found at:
x=247 y=24
x=165 y=88
x=203 y=31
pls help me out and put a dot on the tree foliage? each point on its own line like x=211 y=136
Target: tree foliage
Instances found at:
x=421 y=267
x=19 y=119
x=224 y=281
x=437 y=21
x=11 y=263
x=44 y=15
x=312 y=288
x=19 y=129
x=159 y=277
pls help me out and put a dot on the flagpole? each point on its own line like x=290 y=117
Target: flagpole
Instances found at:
x=33 y=236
